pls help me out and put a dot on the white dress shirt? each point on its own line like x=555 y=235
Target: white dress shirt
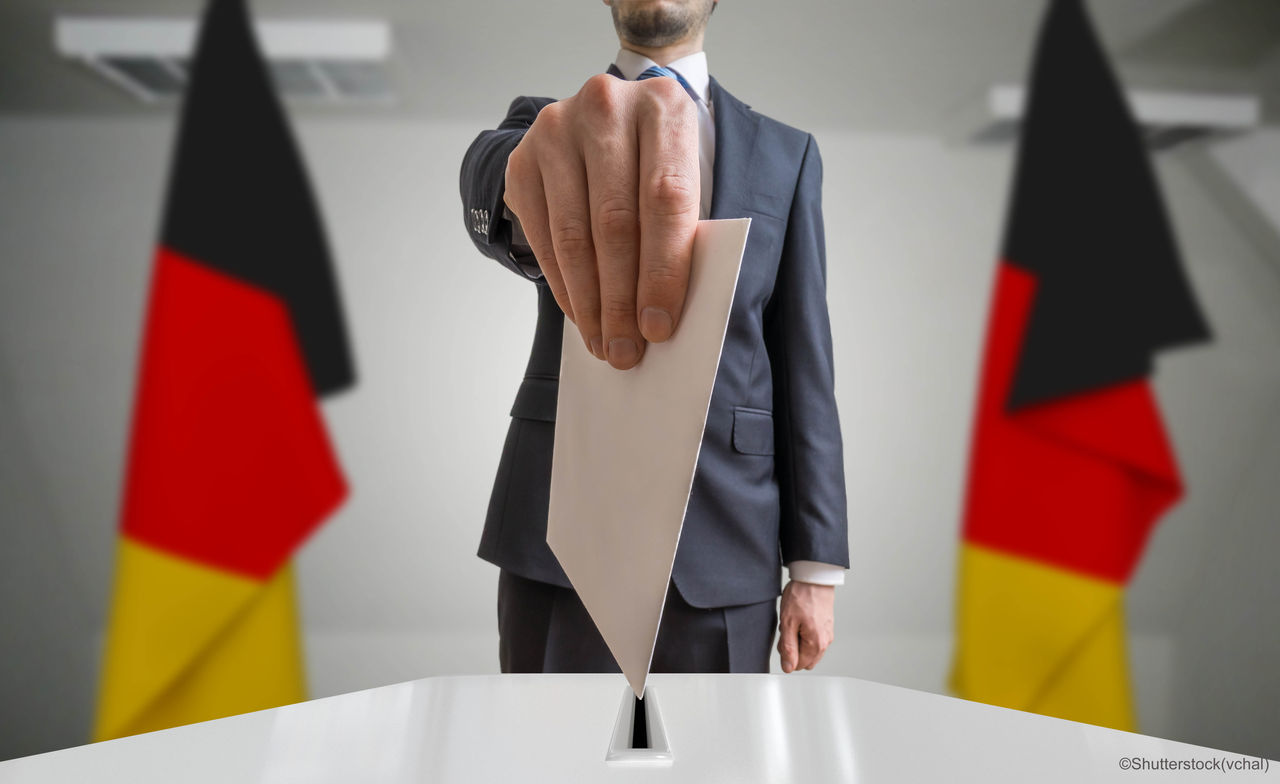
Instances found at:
x=693 y=68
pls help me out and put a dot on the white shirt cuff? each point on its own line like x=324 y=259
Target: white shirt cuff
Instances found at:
x=816 y=572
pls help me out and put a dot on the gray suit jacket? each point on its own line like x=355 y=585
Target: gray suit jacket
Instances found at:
x=769 y=486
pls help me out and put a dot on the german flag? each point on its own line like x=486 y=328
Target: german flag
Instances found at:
x=230 y=467
x=1070 y=466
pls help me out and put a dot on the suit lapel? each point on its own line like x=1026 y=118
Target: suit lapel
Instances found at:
x=735 y=142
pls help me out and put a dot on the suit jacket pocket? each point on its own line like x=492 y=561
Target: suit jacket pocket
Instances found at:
x=752 y=431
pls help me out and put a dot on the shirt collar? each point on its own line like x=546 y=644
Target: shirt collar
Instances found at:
x=692 y=67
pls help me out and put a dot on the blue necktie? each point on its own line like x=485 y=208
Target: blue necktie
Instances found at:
x=654 y=71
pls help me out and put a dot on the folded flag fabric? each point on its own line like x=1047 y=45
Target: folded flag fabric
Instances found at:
x=230 y=466
x=1071 y=466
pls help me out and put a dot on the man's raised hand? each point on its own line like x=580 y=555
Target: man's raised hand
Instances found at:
x=606 y=188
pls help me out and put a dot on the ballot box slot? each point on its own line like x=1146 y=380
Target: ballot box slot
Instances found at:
x=639 y=726
x=639 y=735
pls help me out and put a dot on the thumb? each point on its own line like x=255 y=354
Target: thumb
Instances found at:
x=788 y=648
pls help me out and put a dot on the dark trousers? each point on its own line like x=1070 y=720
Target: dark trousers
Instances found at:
x=546 y=628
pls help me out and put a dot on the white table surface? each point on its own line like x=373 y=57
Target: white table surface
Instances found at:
x=557 y=728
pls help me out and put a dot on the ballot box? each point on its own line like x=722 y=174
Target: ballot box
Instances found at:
x=587 y=728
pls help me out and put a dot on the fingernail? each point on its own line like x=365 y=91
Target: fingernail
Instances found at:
x=623 y=351
x=597 y=347
x=655 y=323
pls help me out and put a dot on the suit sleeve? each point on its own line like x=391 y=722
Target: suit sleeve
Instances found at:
x=483 y=185
x=809 y=455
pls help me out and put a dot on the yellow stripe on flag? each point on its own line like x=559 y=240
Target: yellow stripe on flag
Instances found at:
x=1039 y=638
x=189 y=643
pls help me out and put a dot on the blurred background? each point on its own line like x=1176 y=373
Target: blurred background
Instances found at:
x=918 y=160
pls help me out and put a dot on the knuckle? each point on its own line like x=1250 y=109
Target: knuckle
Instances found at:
x=518 y=200
x=616 y=300
x=689 y=117
x=599 y=90
x=550 y=120
x=517 y=161
x=517 y=175
x=553 y=111
x=572 y=238
x=663 y=274
x=588 y=314
x=599 y=98
x=666 y=93
x=617 y=218
x=670 y=190
x=617 y=307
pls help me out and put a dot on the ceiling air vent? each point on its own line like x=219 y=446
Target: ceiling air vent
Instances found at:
x=1167 y=119
x=342 y=62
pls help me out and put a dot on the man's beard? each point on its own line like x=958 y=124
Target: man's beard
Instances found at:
x=647 y=24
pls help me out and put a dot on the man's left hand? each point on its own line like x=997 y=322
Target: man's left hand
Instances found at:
x=807 y=624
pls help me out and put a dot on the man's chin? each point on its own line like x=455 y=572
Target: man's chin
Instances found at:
x=654 y=23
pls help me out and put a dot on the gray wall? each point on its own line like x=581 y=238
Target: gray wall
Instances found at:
x=1225 y=617
x=391 y=589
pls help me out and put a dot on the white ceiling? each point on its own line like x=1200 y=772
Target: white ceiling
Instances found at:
x=891 y=65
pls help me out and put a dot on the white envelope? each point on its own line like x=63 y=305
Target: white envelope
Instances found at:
x=626 y=447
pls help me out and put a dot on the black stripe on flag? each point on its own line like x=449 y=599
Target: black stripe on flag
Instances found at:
x=239 y=199
x=1088 y=220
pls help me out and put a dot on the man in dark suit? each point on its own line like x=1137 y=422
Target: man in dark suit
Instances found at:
x=595 y=199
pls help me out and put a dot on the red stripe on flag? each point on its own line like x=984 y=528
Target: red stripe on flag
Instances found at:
x=1077 y=482
x=231 y=464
